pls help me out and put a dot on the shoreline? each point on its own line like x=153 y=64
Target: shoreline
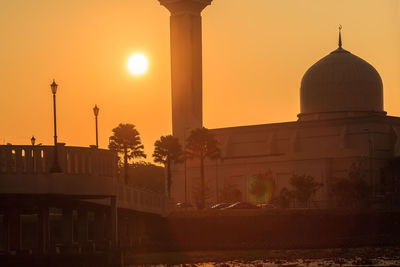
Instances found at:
x=218 y=256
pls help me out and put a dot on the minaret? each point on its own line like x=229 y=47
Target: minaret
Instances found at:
x=186 y=64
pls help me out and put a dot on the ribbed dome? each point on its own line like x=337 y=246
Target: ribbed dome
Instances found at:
x=341 y=82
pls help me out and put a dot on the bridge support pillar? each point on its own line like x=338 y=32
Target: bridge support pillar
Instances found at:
x=114 y=222
x=43 y=228
x=99 y=225
x=6 y=231
x=82 y=225
x=13 y=229
x=68 y=226
x=131 y=230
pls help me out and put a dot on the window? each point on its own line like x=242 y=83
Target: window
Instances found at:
x=42 y=161
x=13 y=161
x=24 y=162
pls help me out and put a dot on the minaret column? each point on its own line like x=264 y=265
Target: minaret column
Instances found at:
x=186 y=64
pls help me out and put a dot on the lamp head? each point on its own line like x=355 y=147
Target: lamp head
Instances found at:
x=33 y=140
x=96 y=110
x=54 y=87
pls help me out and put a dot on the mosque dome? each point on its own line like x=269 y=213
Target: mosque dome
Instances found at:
x=340 y=84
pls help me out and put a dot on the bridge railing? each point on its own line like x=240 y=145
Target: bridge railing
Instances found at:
x=72 y=160
x=140 y=199
x=18 y=164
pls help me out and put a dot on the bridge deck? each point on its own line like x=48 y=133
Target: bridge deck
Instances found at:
x=85 y=202
x=87 y=173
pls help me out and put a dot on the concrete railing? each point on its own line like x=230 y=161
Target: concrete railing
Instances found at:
x=87 y=173
x=72 y=160
x=130 y=197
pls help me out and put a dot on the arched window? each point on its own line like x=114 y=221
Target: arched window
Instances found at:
x=13 y=161
x=24 y=163
x=34 y=160
x=42 y=161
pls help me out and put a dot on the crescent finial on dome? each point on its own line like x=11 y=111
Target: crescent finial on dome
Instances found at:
x=340 y=36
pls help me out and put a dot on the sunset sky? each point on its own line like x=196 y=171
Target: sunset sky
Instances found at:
x=254 y=55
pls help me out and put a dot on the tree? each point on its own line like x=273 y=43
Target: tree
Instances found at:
x=201 y=192
x=262 y=186
x=351 y=191
x=390 y=182
x=283 y=199
x=201 y=144
x=126 y=140
x=148 y=176
x=304 y=186
x=166 y=151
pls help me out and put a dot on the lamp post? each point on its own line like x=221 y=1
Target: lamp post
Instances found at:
x=185 y=166
x=185 y=173
x=96 y=113
x=33 y=140
x=55 y=168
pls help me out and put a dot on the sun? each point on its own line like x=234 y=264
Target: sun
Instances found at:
x=138 y=64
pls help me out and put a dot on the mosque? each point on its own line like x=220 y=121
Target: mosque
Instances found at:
x=342 y=122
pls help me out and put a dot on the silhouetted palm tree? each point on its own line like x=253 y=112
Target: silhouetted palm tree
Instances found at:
x=126 y=140
x=201 y=144
x=167 y=150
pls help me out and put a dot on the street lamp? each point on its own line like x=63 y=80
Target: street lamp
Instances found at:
x=185 y=166
x=55 y=168
x=33 y=140
x=96 y=113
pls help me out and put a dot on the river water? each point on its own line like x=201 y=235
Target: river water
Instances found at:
x=380 y=261
x=364 y=256
x=303 y=262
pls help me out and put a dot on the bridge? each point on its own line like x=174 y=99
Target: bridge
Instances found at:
x=86 y=206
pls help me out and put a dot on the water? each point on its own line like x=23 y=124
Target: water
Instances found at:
x=364 y=256
x=380 y=261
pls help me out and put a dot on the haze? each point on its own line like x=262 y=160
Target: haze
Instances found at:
x=254 y=54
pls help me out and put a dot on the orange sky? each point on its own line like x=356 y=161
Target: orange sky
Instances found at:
x=254 y=55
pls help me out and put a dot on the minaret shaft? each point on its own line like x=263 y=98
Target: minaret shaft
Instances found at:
x=186 y=64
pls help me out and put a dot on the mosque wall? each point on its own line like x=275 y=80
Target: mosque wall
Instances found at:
x=341 y=120
x=322 y=149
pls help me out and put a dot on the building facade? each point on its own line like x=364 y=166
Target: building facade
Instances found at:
x=341 y=124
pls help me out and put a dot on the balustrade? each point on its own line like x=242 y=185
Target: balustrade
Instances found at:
x=25 y=161
x=141 y=199
x=73 y=160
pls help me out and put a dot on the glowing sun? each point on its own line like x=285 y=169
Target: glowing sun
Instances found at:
x=137 y=64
